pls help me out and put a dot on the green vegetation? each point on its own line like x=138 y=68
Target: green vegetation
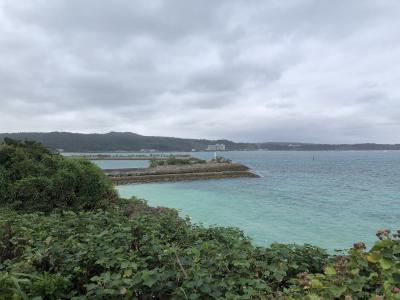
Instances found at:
x=133 y=251
x=179 y=161
x=127 y=250
x=176 y=161
x=127 y=141
x=113 y=141
x=34 y=179
x=220 y=159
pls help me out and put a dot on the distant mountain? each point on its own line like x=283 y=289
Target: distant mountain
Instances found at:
x=127 y=141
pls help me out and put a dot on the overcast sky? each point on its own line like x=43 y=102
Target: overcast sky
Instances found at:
x=301 y=70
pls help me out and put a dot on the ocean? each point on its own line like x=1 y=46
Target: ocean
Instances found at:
x=328 y=199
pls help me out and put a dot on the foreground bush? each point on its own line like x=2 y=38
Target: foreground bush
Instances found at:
x=137 y=252
x=34 y=179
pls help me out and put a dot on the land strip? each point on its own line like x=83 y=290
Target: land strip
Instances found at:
x=178 y=173
x=130 y=157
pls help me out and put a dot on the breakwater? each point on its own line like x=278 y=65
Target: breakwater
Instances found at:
x=170 y=173
x=130 y=157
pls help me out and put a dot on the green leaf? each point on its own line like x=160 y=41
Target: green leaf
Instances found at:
x=148 y=278
x=127 y=273
x=382 y=244
x=315 y=283
x=195 y=251
x=396 y=277
x=373 y=275
x=355 y=271
x=329 y=270
x=374 y=257
x=356 y=285
x=396 y=249
x=48 y=240
x=385 y=263
x=337 y=291
x=90 y=286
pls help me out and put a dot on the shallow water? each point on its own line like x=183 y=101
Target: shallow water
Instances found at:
x=332 y=201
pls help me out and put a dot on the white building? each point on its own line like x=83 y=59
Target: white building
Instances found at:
x=216 y=147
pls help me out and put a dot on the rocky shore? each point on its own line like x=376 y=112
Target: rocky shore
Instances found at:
x=172 y=173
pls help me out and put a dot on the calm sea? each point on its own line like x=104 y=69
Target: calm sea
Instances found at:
x=329 y=199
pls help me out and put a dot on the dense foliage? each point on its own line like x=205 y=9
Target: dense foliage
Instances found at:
x=176 y=161
x=135 y=251
x=34 y=179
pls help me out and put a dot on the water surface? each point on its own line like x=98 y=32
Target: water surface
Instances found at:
x=330 y=199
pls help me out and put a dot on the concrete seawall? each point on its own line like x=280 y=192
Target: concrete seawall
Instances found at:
x=179 y=173
x=127 y=157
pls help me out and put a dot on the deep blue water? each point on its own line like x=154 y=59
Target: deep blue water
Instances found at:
x=332 y=201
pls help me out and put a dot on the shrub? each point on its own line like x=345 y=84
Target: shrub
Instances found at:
x=34 y=179
x=360 y=274
x=175 y=161
x=220 y=159
x=152 y=254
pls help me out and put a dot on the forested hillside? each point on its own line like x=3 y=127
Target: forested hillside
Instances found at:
x=114 y=141
x=127 y=141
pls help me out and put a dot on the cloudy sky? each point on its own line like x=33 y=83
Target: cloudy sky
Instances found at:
x=273 y=70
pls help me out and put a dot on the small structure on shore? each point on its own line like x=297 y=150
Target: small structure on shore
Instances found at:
x=216 y=147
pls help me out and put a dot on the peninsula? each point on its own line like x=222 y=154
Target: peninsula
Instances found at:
x=153 y=157
x=179 y=169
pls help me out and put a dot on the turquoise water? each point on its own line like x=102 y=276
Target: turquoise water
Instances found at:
x=332 y=201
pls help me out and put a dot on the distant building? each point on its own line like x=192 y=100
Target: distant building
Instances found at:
x=216 y=147
x=148 y=150
x=60 y=150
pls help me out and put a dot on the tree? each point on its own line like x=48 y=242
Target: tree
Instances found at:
x=32 y=178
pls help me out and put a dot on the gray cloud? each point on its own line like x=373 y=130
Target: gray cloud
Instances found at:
x=297 y=70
